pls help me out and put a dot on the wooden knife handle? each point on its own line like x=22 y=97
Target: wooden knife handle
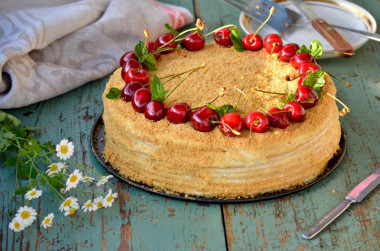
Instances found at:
x=337 y=41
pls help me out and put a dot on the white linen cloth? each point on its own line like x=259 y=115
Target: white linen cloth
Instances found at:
x=48 y=48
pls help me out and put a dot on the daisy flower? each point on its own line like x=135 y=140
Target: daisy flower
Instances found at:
x=16 y=225
x=72 y=210
x=63 y=191
x=88 y=206
x=65 y=149
x=103 y=180
x=27 y=215
x=48 y=221
x=55 y=168
x=87 y=178
x=109 y=199
x=33 y=194
x=73 y=179
x=68 y=203
x=98 y=203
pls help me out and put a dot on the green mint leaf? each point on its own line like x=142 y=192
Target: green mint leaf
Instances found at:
x=236 y=39
x=221 y=110
x=303 y=49
x=150 y=62
x=316 y=49
x=157 y=89
x=113 y=93
x=315 y=80
x=139 y=50
x=290 y=97
x=171 y=30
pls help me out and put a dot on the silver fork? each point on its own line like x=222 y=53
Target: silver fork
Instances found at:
x=283 y=17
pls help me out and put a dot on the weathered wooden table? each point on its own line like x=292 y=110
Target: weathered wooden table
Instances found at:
x=142 y=221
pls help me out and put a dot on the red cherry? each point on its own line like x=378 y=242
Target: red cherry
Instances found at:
x=257 y=122
x=279 y=120
x=163 y=40
x=301 y=79
x=155 y=110
x=254 y=44
x=151 y=48
x=308 y=67
x=201 y=119
x=193 y=42
x=136 y=75
x=272 y=40
x=131 y=63
x=301 y=58
x=178 y=113
x=297 y=114
x=129 y=89
x=306 y=93
x=128 y=55
x=222 y=37
x=140 y=99
x=233 y=120
x=287 y=51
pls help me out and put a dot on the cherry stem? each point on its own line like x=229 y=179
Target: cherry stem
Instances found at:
x=146 y=33
x=277 y=93
x=225 y=26
x=194 y=70
x=339 y=79
x=261 y=26
x=288 y=78
x=220 y=94
x=337 y=52
x=176 y=37
x=262 y=108
x=242 y=88
x=173 y=76
x=345 y=109
x=274 y=44
x=229 y=127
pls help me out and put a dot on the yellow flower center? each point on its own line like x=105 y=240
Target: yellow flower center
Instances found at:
x=33 y=193
x=54 y=167
x=99 y=204
x=89 y=205
x=110 y=198
x=25 y=215
x=17 y=225
x=73 y=178
x=47 y=221
x=67 y=203
x=64 y=149
x=72 y=211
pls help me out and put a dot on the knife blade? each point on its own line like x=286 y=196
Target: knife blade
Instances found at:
x=356 y=195
x=338 y=42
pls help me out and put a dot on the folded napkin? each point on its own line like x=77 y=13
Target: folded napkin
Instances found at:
x=48 y=48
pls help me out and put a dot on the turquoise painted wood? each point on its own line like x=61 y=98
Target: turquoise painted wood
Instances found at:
x=142 y=221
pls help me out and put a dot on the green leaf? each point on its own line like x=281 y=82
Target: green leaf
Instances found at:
x=157 y=89
x=8 y=135
x=18 y=131
x=315 y=80
x=113 y=93
x=33 y=145
x=289 y=98
x=221 y=110
x=22 y=153
x=11 y=162
x=139 y=50
x=56 y=181
x=22 y=190
x=303 y=49
x=171 y=30
x=9 y=118
x=236 y=39
x=150 y=62
x=316 y=49
x=31 y=128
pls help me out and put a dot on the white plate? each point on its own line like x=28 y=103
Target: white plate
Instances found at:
x=341 y=13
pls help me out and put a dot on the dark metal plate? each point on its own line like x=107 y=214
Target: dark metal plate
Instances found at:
x=97 y=143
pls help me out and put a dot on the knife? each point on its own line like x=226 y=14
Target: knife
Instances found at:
x=356 y=195
x=338 y=42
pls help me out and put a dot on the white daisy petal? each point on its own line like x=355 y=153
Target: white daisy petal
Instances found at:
x=64 y=149
x=16 y=225
x=87 y=178
x=109 y=199
x=98 y=203
x=55 y=168
x=72 y=210
x=73 y=179
x=104 y=180
x=27 y=215
x=88 y=206
x=33 y=194
x=68 y=203
x=48 y=221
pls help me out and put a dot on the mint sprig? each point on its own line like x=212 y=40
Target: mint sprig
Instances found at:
x=145 y=57
x=158 y=90
x=315 y=49
x=315 y=80
x=171 y=30
x=113 y=93
x=289 y=98
x=221 y=110
x=236 y=39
